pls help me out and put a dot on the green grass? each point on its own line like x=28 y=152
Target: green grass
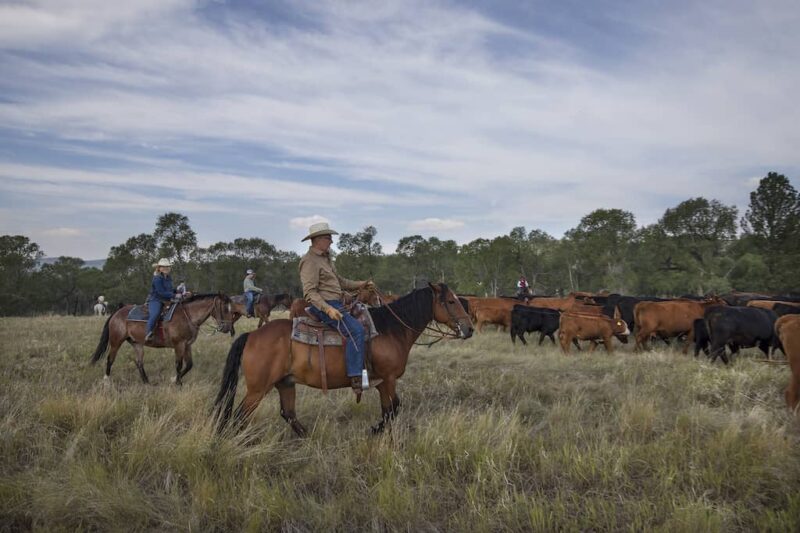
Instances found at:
x=490 y=437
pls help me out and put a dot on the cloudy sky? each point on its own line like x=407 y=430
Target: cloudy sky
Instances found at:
x=455 y=119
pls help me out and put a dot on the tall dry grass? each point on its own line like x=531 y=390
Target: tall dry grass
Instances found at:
x=491 y=437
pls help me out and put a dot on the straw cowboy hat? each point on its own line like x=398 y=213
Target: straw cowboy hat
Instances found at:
x=163 y=262
x=320 y=228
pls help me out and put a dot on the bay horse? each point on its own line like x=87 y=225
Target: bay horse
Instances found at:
x=262 y=308
x=178 y=333
x=270 y=358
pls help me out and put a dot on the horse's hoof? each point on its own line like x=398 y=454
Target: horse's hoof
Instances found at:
x=299 y=429
x=378 y=428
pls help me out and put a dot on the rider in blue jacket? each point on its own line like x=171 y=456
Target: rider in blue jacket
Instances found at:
x=160 y=290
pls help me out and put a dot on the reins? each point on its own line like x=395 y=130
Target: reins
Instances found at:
x=441 y=334
x=196 y=328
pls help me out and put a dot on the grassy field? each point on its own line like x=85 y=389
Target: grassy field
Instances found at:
x=491 y=437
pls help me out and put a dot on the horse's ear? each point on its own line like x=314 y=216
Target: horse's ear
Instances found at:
x=434 y=287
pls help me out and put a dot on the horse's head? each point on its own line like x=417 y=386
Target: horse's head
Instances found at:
x=222 y=313
x=284 y=300
x=447 y=309
x=369 y=297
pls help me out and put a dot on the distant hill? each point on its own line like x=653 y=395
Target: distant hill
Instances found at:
x=88 y=263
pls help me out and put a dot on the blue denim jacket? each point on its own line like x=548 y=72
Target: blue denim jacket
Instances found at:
x=161 y=288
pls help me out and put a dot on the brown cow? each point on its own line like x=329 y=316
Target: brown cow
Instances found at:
x=669 y=318
x=585 y=309
x=471 y=302
x=573 y=326
x=787 y=328
x=769 y=304
x=492 y=311
x=559 y=304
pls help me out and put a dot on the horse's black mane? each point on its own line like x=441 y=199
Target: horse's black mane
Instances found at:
x=415 y=309
x=280 y=296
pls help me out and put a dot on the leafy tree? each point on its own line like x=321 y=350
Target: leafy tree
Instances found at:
x=129 y=269
x=430 y=259
x=701 y=233
x=18 y=258
x=749 y=273
x=771 y=223
x=175 y=238
x=774 y=213
x=600 y=249
x=62 y=282
x=359 y=254
x=487 y=267
x=532 y=254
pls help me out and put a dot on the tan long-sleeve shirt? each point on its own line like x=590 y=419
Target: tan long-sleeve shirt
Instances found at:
x=320 y=280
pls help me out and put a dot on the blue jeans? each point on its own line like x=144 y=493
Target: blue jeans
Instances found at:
x=353 y=333
x=153 y=310
x=251 y=297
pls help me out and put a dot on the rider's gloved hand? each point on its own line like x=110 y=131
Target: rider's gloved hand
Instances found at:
x=333 y=313
x=369 y=285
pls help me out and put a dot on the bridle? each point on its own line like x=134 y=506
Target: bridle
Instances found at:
x=221 y=322
x=439 y=333
x=216 y=304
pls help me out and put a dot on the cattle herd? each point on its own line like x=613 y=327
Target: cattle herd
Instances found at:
x=712 y=324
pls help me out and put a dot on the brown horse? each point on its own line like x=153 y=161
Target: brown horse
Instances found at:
x=179 y=333
x=271 y=359
x=262 y=308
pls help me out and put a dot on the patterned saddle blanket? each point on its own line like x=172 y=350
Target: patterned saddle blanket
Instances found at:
x=307 y=330
x=139 y=313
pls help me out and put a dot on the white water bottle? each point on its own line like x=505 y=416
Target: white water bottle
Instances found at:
x=364 y=379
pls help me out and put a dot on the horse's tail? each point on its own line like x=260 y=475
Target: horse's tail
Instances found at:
x=102 y=346
x=223 y=405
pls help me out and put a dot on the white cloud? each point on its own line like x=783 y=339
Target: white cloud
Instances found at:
x=411 y=105
x=62 y=232
x=198 y=188
x=304 y=222
x=435 y=224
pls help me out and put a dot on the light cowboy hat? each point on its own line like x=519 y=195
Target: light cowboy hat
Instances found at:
x=249 y=271
x=163 y=262
x=320 y=228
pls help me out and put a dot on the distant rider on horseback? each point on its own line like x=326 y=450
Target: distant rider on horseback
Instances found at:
x=160 y=291
x=322 y=288
x=250 y=291
x=523 y=289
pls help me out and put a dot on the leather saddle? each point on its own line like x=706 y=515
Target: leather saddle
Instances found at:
x=139 y=313
x=312 y=332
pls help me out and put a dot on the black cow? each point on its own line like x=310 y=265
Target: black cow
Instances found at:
x=741 y=327
x=785 y=309
x=701 y=339
x=525 y=319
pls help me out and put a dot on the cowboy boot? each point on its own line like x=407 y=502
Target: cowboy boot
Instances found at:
x=355 y=383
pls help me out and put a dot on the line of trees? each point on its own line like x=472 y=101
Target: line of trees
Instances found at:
x=698 y=246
